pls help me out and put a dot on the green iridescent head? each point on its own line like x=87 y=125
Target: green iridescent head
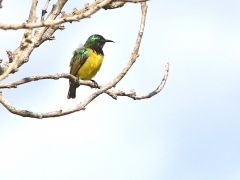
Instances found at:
x=96 y=42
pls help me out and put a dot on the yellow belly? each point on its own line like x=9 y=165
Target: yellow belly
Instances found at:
x=91 y=66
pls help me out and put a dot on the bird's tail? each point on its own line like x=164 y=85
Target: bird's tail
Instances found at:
x=72 y=90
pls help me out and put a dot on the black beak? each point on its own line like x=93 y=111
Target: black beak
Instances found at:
x=106 y=40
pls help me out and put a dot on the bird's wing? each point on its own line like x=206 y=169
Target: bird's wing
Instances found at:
x=79 y=58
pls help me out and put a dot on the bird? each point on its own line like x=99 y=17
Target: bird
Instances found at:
x=86 y=61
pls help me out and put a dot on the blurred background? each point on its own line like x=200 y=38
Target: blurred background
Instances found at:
x=190 y=130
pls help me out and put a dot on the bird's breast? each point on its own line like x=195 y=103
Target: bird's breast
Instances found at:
x=91 y=66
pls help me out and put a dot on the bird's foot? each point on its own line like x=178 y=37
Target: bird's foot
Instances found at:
x=78 y=82
x=95 y=83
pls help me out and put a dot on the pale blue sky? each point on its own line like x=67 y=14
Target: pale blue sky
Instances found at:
x=189 y=131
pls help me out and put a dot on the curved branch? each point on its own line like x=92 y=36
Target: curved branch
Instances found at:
x=132 y=93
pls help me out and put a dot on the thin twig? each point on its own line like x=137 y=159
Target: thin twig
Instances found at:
x=44 y=10
x=158 y=89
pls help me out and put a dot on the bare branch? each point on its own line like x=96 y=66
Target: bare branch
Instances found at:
x=1 y=3
x=31 y=19
x=44 y=10
x=32 y=14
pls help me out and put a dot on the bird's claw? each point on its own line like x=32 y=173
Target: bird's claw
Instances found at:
x=95 y=83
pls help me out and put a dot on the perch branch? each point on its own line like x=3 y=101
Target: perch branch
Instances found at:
x=111 y=92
